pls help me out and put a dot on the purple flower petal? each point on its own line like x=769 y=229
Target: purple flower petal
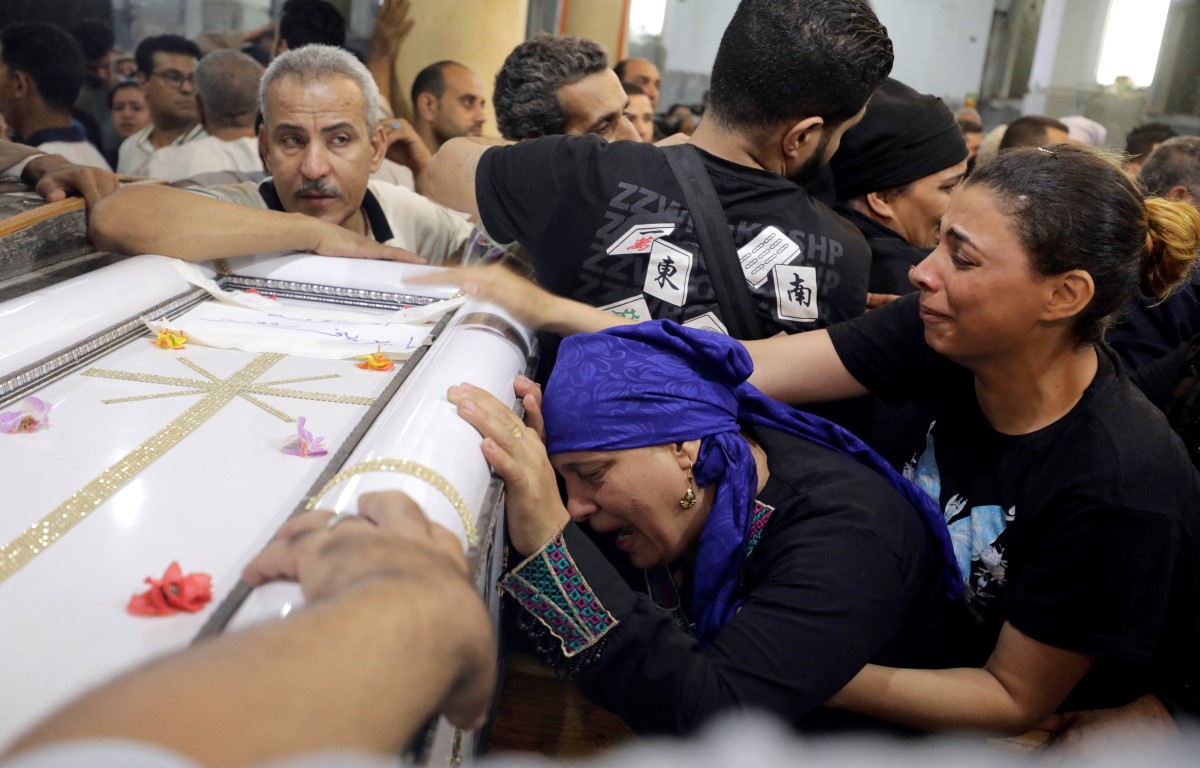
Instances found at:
x=33 y=414
x=304 y=444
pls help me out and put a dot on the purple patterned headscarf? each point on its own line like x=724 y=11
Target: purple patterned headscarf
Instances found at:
x=658 y=383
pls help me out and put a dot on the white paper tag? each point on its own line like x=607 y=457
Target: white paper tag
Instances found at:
x=768 y=248
x=796 y=292
x=634 y=309
x=708 y=322
x=639 y=238
x=667 y=273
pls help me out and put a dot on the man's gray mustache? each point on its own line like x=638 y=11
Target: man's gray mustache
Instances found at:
x=319 y=187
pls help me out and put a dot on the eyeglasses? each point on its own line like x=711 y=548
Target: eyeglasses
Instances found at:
x=175 y=78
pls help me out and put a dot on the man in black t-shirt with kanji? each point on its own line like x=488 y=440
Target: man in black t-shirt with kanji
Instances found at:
x=606 y=223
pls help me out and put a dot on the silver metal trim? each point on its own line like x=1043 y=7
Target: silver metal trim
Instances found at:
x=59 y=364
x=326 y=293
x=500 y=326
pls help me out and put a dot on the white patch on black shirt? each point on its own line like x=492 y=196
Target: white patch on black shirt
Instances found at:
x=639 y=239
x=708 y=322
x=769 y=248
x=634 y=309
x=796 y=292
x=667 y=273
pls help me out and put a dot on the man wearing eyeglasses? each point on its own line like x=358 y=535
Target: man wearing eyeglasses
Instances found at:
x=166 y=67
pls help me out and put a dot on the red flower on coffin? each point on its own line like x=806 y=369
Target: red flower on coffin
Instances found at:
x=172 y=593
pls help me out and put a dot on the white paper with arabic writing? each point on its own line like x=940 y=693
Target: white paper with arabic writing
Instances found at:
x=255 y=323
x=291 y=330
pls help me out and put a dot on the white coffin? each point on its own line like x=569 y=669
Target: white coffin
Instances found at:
x=214 y=498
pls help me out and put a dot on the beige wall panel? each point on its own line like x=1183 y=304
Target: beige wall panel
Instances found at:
x=477 y=33
x=599 y=20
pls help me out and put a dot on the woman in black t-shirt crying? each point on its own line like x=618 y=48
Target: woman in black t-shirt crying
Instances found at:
x=1072 y=506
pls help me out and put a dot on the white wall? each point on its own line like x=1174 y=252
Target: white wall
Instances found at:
x=940 y=44
x=692 y=31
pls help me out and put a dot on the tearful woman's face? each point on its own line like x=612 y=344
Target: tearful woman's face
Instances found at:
x=633 y=495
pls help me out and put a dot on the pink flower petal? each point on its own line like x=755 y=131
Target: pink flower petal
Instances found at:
x=304 y=444
x=31 y=415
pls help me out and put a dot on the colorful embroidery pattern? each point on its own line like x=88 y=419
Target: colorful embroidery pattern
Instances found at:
x=758 y=521
x=549 y=586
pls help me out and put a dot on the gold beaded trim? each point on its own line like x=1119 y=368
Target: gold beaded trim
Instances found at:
x=217 y=393
x=413 y=469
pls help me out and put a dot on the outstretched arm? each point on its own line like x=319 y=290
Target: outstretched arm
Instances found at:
x=528 y=303
x=1023 y=682
x=801 y=368
x=195 y=228
x=394 y=634
x=392 y=25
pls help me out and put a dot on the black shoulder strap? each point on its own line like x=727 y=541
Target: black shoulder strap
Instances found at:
x=712 y=229
x=380 y=229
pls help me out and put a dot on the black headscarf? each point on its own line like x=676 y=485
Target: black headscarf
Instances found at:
x=904 y=136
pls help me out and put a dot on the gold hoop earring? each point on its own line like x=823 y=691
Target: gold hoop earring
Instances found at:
x=689 y=497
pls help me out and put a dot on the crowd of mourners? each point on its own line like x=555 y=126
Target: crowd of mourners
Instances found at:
x=848 y=410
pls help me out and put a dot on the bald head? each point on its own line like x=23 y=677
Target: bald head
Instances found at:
x=642 y=73
x=227 y=87
x=448 y=101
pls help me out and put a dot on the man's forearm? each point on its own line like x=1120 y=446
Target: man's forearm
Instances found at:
x=171 y=222
x=362 y=671
x=381 y=62
x=934 y=699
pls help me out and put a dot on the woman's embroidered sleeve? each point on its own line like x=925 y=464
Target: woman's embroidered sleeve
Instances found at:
x=550 y=587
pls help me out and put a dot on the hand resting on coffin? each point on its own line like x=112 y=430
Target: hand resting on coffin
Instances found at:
x=393 y=634
x=533 y=508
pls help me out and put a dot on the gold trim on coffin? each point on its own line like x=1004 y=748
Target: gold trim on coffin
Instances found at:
x=412 y=469
x=217 y=393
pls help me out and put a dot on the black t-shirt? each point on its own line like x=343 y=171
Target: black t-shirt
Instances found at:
x=1153 y=328
x=891 y=255
x=845 y=573
x=606 y=224
x=1084 y=534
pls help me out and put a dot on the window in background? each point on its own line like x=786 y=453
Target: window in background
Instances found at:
x=646 y=17
x=1132 y=37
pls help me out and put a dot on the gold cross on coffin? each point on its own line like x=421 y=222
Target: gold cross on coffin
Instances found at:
x=217 y=393
x=245 y=389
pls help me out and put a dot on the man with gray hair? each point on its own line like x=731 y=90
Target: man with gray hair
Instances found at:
x=320 y=141
x=227 y=91
x=552 y=86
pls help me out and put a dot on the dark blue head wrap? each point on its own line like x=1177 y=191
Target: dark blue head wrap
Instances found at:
x=658 y=383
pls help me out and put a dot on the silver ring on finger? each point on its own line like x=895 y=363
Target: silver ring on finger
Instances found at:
x=337 y=519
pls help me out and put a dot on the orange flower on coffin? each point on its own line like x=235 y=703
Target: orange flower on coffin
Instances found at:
x=173 y=593
x=376 y=361
x=168 y=339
